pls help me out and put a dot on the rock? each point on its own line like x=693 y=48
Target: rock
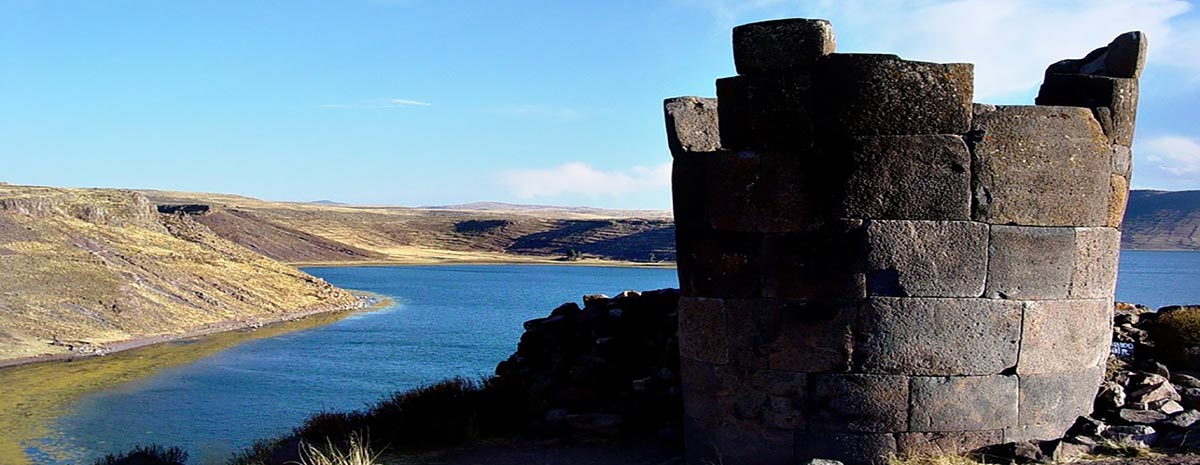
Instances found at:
x=926 y=258
x=884 y=168
x=1153 y=390
x=1086 y=427
x=1063 y=335
x=1012 y=452
x=1141 y=417
x=860 y=403
x=1183 y=420
x=964 y=403
x=1061 y=150
x=1030 y=263
x=1185 y=380
x=692 y=125
x=771 y=111
x=1137 y=435
x=1110 y=397
x=821 y=462
x=1191 y=397
x=1126 y=55
x=1060 y=450
x=875 y=94
x=1170 y=407
x=938 y=337
x=781 y=45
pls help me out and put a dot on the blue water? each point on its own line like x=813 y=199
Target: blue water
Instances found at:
x=448 y=321
x=1159 y=278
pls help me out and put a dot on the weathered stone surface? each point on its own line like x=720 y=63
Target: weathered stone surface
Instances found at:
x=766 y=192
x=1138 y=435
x=1041 y=166
x=869 y=94
x=812 y=336
x=824 y=264
x=963 y=403
x=850 y=448
x=1030 y=262
x=737 y=442
x=689 y=196
x=885 y=169
x=926 y=258
x=1122 y=160
x=1141 y=417
x=1095 y=270
x=781 y=45
x=1118 y=95
x=1117 y=201
x=702 y=330
x=766 y=112
x=945 y=442
x=691 y=125
x=1060 y=336
x=719 y=263
x=713 y=394
x=939 y=337
x=1124 y=57
x=1050 y=403
x=859 y=403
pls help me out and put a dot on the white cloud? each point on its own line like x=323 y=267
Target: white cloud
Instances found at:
x=539 y=111
x=581 y=178
x=1177 y=155
x=378 y=103
x=1011 y=42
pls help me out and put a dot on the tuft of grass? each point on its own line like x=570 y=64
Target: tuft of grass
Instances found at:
x=932 y=459
x=1124 y=448
x=357 y=451
x=153 y=454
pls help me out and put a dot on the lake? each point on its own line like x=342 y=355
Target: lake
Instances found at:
x=447 y=321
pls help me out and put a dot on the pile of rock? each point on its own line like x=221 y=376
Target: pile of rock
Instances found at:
x=1142 y=403
x=608 y=368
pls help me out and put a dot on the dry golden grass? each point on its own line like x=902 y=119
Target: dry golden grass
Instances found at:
x=943 y=459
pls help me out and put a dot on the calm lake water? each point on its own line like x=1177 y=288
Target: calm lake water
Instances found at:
x=447 y=321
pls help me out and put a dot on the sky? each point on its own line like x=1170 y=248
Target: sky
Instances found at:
x=435 y=102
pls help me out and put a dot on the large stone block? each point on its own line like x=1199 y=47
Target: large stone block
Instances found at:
x=885 y=171
x=800 y=336
x=1122 y=161
x=1097 y=251
x=1065 y=335
x=1050 y=403
x=937 y=336
x=783 y=45
x=1041 y=166
x=963 y=403
x=822 y=264
x=689 y=193
x=719 y=263
x=691 y=125
x=766 y=192
x=1124 y=57
x=869 y=94
x=737 y=442
x=1030 y=263
x=945 y=443
x=848 y=448
x=1118 y=96
x=713 y=394
x=926 y=258
x=702 y=330
x=771 y=111
x=1117 y=201
x=859 y=403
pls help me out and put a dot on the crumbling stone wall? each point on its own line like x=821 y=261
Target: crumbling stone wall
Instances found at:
x=871 y=264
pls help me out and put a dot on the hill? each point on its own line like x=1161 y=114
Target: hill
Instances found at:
x=84 y=268
x=1162 y=220
x=310 y=233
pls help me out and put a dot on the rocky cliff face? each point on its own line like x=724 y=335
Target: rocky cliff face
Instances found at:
x=80 y=268
x=1162 y=220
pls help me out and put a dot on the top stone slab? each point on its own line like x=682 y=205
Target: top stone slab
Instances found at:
x=781 y=45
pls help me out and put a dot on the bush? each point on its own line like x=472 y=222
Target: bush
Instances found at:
x=153 y=454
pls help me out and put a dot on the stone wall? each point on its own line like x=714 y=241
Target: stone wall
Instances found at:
x=871 y=264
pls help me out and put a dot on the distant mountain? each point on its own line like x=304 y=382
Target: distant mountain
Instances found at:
x=501 y=206
x=1162 y=220
x=326 y=202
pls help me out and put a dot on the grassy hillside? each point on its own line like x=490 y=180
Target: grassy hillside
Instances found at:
x=84 y=267
x=334 y=233
x=1162 y=220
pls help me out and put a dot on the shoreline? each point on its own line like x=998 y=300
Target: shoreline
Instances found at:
x=540 y=262
x=363 y=300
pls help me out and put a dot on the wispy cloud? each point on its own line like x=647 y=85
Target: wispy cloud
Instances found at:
x=583 y=179
x=378 y=103
x=1011 y=42
x=1177 y=155
x=539 y=111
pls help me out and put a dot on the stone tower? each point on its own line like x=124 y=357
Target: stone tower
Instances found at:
x=873 y=265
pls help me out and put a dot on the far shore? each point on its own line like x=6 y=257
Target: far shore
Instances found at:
x=504 y=261
x=364 y=300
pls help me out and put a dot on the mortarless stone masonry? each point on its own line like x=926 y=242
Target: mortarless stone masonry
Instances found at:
x=873 y=265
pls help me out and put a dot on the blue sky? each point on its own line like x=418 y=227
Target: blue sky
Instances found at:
x=415 y=102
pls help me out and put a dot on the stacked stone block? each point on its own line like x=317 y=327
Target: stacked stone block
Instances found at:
x=871 y=264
